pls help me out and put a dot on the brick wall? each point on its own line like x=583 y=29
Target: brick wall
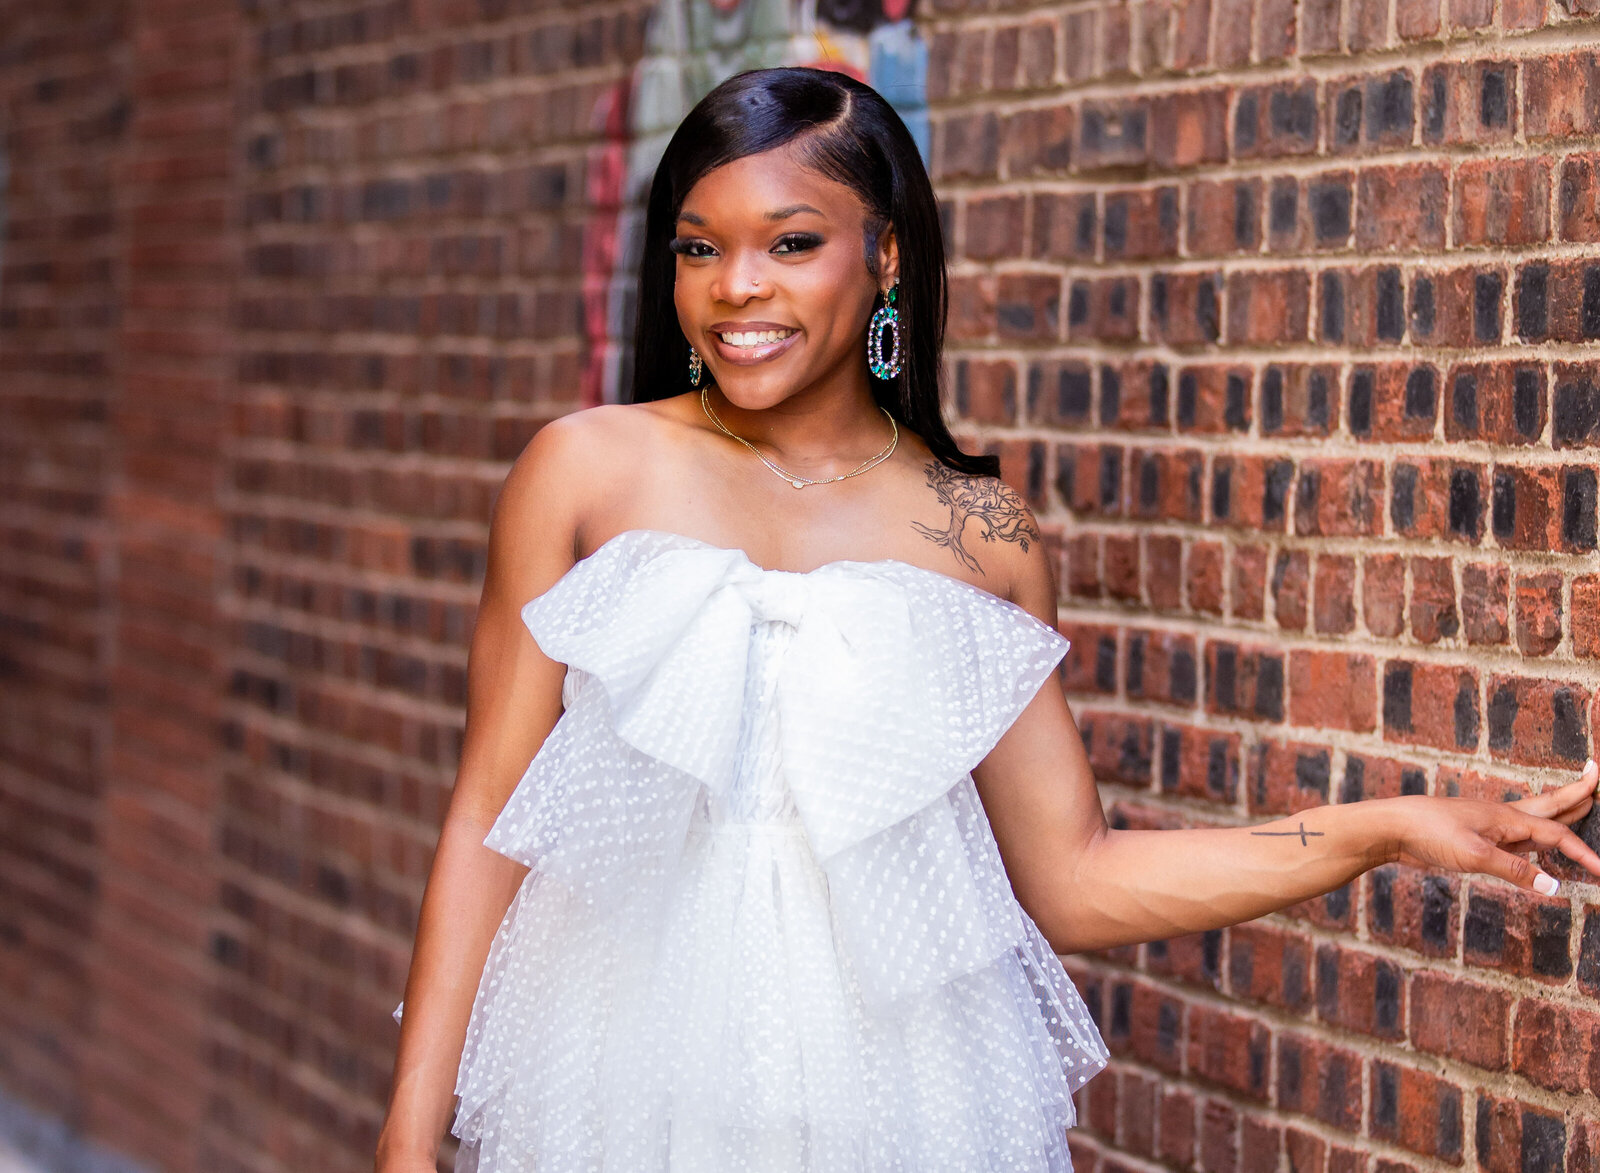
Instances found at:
x=1283 y=315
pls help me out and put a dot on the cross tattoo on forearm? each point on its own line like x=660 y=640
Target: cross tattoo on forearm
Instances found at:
x=1302 y=832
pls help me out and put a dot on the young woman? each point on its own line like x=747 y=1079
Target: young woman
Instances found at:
x=767 y=828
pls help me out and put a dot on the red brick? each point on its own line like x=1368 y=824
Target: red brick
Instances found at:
x=1332 y=690
x=1248 y=582
x=1141 y=223
x=1177 y=1127
x=1287 y=777
x=1538 y=722
x=1539 y=612
x=1485 y=611
x=1431 y=704
x=1416 y=20
x=1082 y=557
x=1194 y=958
x=1503 y=403
x=1204 y=579
x=1561 y=95
x=1028 y=307
x=1267 y=308
x=1319 y=1080
x=1586 y=616
x=1113 y=134
x=1270 y=965
x=1470 y=101
x=1199 y=763
x=1394 y=401
x=1413 y=909
x=1459 y=1019
x=1383 y=594
x=986 y=392
x=1517 y=932
x=1416 y=1110
x=1526 y=509
x=1066 y=226
x=1276 y=121
x=1291 y=574
x=1166 y=484
x=994 y=227
x=1502 y=202
x=1339 y=498
x=1580 y=198
x=1224 y=217
x=1189 y=128
x=1433 y=600
x=1163 y=571
x=1360 y=992
x=1213 y=398
x=1439 y=499
x=1090 y=664
x=1185 y=308
x=1119 y=746
x=1162 y=666
x=1244 y=681
x=1299 y=399
x=1335 y=607
x=1556 y=1047
x=1401 y=207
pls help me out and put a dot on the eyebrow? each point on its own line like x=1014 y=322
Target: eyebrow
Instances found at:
x=775 y=214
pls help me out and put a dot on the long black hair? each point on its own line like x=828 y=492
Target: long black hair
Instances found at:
x=847 y=132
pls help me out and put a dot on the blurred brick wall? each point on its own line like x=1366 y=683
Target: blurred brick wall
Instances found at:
x=1285 y=315
x=1282 y=314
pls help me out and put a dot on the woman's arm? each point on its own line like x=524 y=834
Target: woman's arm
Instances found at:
x=513 y=701
x=1089 y=886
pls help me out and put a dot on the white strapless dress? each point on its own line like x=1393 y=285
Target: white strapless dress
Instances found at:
x=766 y=927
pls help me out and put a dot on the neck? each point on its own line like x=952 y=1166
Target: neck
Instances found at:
x=810 y=434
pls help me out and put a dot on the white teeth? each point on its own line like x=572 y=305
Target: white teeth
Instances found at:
x=756 y=338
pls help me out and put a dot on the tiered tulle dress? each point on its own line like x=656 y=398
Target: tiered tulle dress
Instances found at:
x=766 y=927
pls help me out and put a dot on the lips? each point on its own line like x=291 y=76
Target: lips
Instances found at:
x=760 y=352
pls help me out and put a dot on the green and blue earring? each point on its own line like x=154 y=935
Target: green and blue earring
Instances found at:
x=888 y=316
x=696 y=365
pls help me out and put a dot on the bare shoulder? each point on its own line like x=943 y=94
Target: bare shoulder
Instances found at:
x=989 y=529
x=567 y=466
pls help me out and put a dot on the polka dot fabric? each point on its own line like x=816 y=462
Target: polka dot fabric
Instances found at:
x=766 y=927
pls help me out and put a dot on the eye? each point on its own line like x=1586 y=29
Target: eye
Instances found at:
x=685 y=246
x=801 y=242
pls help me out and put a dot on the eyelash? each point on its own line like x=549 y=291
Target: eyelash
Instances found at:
x=807 y=240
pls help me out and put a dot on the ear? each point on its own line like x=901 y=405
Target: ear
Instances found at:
x=888 y=258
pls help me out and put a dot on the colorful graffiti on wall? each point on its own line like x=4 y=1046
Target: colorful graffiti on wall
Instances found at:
x=690 y=47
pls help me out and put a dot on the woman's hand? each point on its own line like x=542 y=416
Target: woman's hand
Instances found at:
x=1468 y=835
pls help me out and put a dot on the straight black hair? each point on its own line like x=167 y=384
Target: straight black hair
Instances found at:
x=849 y=133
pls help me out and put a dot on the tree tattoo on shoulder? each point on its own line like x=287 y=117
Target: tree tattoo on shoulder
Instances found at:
x=995 y=505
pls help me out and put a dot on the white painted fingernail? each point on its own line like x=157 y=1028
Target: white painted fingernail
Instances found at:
x=1546 y=884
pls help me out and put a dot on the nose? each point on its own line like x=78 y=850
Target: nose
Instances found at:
x=741 y=277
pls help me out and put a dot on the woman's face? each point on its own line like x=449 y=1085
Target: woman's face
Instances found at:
x=772 y=283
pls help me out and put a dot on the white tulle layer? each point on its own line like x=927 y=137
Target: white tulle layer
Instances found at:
x=767 y=928
x=735 y=1038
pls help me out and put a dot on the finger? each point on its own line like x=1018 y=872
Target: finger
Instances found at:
x=1575 y=797
x=1514 y=869
x=1548 y=834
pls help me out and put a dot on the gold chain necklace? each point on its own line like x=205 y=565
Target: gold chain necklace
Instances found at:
x=800 y=482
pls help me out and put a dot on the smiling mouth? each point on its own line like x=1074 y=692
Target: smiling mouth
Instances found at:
x=754 y=338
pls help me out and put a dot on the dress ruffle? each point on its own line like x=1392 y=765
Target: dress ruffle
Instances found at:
x=856 y=989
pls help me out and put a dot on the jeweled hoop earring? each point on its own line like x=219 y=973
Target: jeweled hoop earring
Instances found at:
x=888 y=316
x=696 y=365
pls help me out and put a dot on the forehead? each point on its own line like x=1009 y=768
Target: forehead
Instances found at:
x=765 y=188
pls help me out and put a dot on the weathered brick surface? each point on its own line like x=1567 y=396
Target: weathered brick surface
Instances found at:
x=1363 y=376
x=1285 y=317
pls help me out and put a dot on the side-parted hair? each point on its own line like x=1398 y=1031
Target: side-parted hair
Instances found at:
x=846 y=131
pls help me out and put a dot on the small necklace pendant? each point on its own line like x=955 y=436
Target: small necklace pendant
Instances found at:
x=798 y=484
